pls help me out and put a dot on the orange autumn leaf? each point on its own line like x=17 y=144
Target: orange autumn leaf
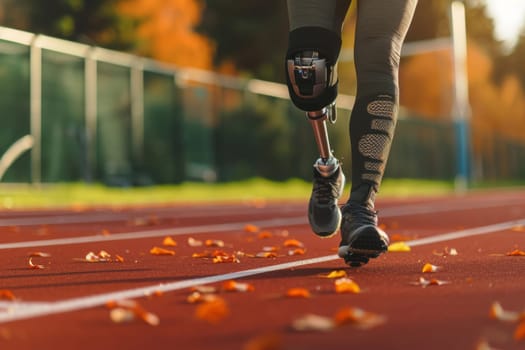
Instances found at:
x=265 y=234
x=497 y=312
x=105 y=232
x=6 y=294
x=169 y=242
x=297 y=251
x=293 y=243
x=298 y=293
x=358 y=317
x=213 y=311
x=423 y=282
x=251 y=228
x=519 y=333
x=516 y=252
x=399 y=247
x=335 y=274
x=233 y=286
x=161 y=251
x=226 y=259
x=214 y=243
x=346 y=285
x=270 y=249
x=429 y=268
x=128 y=310
x=118 y=258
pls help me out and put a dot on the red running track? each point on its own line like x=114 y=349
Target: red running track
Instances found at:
x=63 y=305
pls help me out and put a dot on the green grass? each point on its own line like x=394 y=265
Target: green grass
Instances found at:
x=81 y=194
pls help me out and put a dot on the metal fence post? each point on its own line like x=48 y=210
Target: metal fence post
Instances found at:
x=36 y=110
x=90 y=81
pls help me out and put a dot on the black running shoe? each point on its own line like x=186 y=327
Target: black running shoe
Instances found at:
x=361 y=239
x=324 y=214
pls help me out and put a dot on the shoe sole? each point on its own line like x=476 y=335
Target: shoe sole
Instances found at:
x=366 y=245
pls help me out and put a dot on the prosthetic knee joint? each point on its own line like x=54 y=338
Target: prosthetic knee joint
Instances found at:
x=313 y=88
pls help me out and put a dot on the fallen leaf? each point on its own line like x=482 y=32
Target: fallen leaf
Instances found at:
x=6 y=294
x=233 y=286
x=335 y=274
x=298 y=293
x=516 y=252
x=137 y=310
x=346 y=285
x=519 y=333
x=312 y=322
x=213 y=311
x=498 y=313
x=293 y=243
x=118 y=258
x=399 y=247
x=251 y=228
x=445 y=252
x=35 y=266
x=214 y=243
x=192 y=242
x=91 y=257
x=358 y=317
x=161 y=251
x=423 y=282
x=226 y=259
x=429 y=268
x=121 y=315
x=297 y=251
x=105 y=232
x=169 y=242
x=266 y=255
x=265 y=234
x=519 y=228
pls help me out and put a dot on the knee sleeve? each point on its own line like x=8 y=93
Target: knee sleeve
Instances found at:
x=316 y=88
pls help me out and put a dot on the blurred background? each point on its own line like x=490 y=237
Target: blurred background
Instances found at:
x=143 y=92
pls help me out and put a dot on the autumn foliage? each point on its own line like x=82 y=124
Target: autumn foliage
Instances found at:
x=166 y=31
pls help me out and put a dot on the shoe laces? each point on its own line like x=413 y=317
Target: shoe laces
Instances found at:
x=326 y=189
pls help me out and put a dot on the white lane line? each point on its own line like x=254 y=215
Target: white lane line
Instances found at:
x=214 y=228
x=45 y=309
x=155 y=233
x=167 y=212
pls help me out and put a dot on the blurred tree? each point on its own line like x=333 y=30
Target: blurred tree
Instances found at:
x=252 y=34
x=90 y=21
x=166 y=31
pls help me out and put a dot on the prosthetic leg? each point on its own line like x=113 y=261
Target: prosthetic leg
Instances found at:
x=308 y=76
x=311 y=84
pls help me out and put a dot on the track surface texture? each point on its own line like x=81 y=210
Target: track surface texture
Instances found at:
x=68 y=301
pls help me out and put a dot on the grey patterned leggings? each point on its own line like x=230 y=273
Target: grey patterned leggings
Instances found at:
x=380 y=31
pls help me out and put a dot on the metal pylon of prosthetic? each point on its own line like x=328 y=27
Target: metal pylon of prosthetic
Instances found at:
x=327 y=163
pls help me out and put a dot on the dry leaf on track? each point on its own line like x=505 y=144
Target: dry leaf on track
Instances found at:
x=161 y=251
x=169 y=242
x=429 y=268
x=346 y=285
x=233 y=286
x=298 y=293
x=423 y=282
x=399 y=247
x=213 y=311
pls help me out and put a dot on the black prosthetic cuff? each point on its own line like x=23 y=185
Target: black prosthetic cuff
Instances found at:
x=328 y=44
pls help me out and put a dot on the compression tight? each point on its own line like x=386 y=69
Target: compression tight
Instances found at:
x=380 y=31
